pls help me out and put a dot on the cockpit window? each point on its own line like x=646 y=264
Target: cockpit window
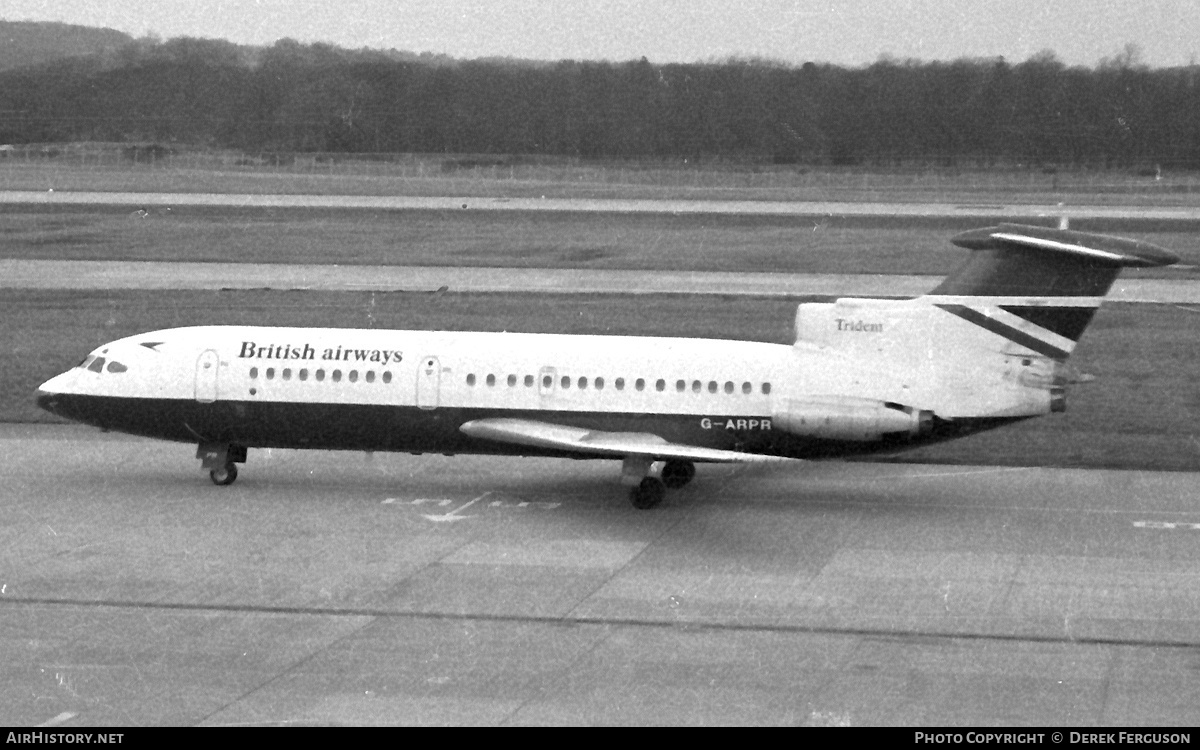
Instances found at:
x=86 y=361
x=97 y=365
x=116 y=366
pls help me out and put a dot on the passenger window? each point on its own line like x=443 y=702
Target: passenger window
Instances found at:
x=512 y=381
x=640 y=384
x=746 y=388
x=353 y=376
x=491 y=380
x=387 y=376
x=471 y=379
x=582 y=383
x=287 y=373
x=660 y=385
x=370 y=376
x=254 y=373
x=680 y=385
x=304 y=374
x=547 y=381
x=712 y=386
x=115 y=366
x=766 y=388
x=528 y=381
x=599 y=383
x=320 y=375
x=729 y=386
x=620 y=383
x=270 y=373
x=696 y=386
x=337 y=375
x=565 y=382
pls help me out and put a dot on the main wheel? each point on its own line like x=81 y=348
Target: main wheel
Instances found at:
x=648 y=494
x=678 y=473
x=224 y=475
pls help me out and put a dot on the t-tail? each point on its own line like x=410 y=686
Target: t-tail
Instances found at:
x=1038 y=287
x=989 y=343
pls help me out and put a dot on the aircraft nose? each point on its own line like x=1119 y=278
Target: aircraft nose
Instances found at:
x=47 y=400
x=48 y=393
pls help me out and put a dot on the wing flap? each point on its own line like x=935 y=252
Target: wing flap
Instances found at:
x=599 y=443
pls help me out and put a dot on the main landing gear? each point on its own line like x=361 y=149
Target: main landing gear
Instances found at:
x=649 y=480
x=221 y=460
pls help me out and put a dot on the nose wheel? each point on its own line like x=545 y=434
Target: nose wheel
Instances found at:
x=221 y=460
x=224 y=475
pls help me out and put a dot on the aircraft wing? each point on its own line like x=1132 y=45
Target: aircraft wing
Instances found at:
x=600 y=443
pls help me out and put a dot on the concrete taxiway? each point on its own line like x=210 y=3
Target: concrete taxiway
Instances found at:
x=84 y=274
x=336 y=588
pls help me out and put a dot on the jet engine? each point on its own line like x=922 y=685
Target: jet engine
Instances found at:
x=849 y=418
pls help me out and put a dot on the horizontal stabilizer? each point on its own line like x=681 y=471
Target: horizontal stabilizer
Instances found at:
x=1097 y=247
x=598 y=443
x=1014 y=260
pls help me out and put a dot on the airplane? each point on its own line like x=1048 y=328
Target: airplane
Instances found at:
x=985 y=348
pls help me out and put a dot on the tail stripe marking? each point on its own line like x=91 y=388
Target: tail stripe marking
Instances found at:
x=1003 y=329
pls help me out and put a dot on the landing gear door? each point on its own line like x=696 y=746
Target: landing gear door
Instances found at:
x=207 y=368
x=429 y=382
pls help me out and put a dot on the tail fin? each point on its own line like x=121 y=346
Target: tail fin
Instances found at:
x=989 y=342
x=1053 y=279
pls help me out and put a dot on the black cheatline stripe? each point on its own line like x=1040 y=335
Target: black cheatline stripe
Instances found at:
x=1007 y=331
x=1068 y=322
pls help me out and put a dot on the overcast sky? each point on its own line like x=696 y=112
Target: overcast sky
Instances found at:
x=846 y=32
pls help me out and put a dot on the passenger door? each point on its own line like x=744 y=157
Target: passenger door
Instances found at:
x=207 y=368
x=429 y=382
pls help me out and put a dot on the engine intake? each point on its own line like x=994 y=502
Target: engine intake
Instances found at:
x=849 y=418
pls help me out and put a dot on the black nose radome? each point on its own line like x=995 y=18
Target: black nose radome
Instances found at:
x=47 y=401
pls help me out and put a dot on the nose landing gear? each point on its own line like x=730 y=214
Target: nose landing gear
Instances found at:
x=224 y=475
x=221 y=460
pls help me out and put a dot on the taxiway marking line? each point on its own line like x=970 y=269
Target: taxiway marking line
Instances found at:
x=1167 y=525
x=453 y=515
x=64 y=716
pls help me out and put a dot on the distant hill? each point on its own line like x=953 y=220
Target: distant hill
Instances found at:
x=25 y=43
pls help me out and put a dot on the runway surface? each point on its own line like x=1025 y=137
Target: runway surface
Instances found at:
x=331 y=588
x=688 y=206
x=82 y=274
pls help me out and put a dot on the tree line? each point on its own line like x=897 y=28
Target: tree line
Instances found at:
x=292 y=97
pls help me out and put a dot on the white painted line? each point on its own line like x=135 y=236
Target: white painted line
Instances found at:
x=1187 y=526
x=453 y=515
x=89 y=274
x=611 y=205
x=64 y=716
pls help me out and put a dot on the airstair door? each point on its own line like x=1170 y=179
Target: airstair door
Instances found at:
x=429 y=382
x=207 y=368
